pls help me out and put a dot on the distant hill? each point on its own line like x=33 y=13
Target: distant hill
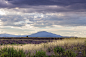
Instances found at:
x=8 y=35
x=38 y=34
x=43 y=34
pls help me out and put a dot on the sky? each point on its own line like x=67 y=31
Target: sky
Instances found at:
x=61 y=17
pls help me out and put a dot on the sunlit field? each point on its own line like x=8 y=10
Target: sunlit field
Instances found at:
x=76 y=45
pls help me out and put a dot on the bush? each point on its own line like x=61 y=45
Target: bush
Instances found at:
x=1 y=43
x=10 y=52
x=58 y=50
x=85 y=43
x=53 y=56
x=75 y=48
x=13 y=43
x=40 y=54
x=69 y=53
x=84 y=53
x=49 y=50
x=29 y=54
x=26 y=36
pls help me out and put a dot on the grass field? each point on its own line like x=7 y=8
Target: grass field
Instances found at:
x=58 y=48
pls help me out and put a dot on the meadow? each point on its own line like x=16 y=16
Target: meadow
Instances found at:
x=65 y=47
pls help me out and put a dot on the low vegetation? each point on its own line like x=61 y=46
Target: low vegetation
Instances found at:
x=11 y=52
x=59 y=48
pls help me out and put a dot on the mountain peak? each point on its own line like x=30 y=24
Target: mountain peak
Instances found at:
x=44 y=34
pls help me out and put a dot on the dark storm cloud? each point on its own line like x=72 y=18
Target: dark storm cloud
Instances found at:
x=5 y=4
x=2 y=4
x=40 y=5
x=46 y=2
x=32 y=2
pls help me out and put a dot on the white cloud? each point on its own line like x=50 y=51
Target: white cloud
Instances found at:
x=2 y=12
x=56 y=14
x=6 y=11
x=1 y=23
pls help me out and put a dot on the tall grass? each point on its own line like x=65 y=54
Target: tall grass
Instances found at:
x=32 y=47
x=49 y=44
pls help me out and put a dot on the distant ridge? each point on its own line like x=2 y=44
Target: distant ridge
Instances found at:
x=38 y=34
x=8 y=35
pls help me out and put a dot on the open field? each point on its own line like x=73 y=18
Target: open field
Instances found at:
x=26 y=40
x=75 y=45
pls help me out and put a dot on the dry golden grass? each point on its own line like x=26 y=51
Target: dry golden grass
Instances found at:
x=44 y=46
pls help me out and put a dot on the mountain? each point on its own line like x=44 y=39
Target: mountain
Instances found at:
x=44 y=34
x=8 y=35
x=38 y=34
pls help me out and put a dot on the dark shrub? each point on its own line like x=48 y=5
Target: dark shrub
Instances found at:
x=69 y=53
x=58 y=49
x=26 y=36
x=40 y=54
x=10 y=52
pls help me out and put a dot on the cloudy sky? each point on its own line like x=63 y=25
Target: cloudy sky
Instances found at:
x=25 y=17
